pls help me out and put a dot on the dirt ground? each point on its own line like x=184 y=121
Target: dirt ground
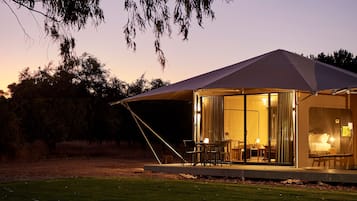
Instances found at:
x=79 y=159
x=76 y=167
x=112 y=161
x=109 y=167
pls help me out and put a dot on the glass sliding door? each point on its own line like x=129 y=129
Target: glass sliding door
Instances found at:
x=273 y=127
x=234 y=126
x=257 y=121
x=268 y=120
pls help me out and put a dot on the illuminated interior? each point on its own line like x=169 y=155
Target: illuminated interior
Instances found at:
x=226 y=118
x=330 y=131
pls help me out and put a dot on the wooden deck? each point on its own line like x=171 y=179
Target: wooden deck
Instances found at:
x=260 y=172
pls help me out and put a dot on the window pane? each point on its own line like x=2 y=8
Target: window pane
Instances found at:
x=330 y=131
x=234 y=125
x=257 y=127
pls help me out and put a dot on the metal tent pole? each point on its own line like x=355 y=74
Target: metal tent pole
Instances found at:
x=136 y=117
x=142 y=131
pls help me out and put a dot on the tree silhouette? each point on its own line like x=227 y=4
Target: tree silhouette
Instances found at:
x=68 y=102
x=141 y=15
x=157 y=83
x=62 y=103
x=341 y=58
x=139 y=86
x=11 y=136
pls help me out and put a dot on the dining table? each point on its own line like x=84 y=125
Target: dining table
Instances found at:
x=208 y=152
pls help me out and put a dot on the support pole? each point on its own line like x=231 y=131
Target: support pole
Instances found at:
x=142 y=132
x=136 y=117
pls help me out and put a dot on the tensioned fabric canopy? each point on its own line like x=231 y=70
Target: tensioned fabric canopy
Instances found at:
x=278 y=69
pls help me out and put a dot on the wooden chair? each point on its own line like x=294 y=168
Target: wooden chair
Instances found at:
x=237 y=150
x=224 y=149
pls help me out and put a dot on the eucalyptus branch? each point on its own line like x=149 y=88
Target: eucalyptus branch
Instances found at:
x=17 y=19
x=36 y=11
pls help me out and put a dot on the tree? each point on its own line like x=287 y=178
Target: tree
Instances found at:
x=64 y=102
x=59 y=16
x=11 y=136
x=69 y=102
x=116 y=90
x=142 y=85
x=141 y=15
x=341 y=58
x=92 y=75
x=139 y=86
x=2 y=94
x=157 y=83
x=157 y=15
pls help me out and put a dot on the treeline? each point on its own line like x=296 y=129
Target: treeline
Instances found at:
x=341 y=58
x=71 y=102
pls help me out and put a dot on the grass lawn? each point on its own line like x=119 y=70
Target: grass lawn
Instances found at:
x=143 y=189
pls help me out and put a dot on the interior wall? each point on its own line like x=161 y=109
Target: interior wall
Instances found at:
x=305 y=102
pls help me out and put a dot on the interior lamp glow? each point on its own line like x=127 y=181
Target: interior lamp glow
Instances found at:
x=265 y=101
x=332 y=139
x=350 y=125
x=206 y=140
x=257 y=141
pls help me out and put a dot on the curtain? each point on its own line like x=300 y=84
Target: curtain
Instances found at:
x=212 y=118
x=285 y=135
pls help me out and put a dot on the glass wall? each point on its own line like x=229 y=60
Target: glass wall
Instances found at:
x=234 y=125
x=330 y=131
x=268 y=120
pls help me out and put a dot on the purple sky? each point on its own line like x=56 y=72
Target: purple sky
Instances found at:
x=242 y=29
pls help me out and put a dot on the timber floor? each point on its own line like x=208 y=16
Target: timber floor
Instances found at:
x=265 y=172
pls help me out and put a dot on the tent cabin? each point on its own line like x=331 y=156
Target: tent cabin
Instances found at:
x=278 y=108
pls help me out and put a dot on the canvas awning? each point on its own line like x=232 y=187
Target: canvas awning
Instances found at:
x=278 y=69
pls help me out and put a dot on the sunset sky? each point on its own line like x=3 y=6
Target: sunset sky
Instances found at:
x=242 y=29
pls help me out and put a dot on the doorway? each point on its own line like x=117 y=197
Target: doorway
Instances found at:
x=261 y=127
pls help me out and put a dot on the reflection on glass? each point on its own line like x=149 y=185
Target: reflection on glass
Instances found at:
x=333 y=124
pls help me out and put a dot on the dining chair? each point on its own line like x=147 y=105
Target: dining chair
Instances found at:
x=191 y=151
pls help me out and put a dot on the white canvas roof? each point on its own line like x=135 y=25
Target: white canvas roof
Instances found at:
x=278 y=69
